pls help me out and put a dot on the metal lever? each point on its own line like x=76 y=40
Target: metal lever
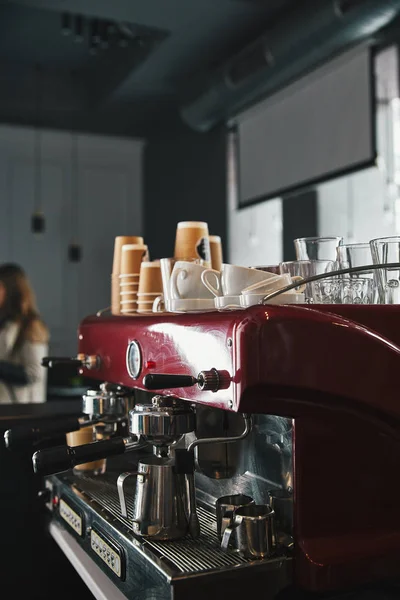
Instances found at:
x=53 y=361
x=81 y=361
x=211 y=380
x=156 y=381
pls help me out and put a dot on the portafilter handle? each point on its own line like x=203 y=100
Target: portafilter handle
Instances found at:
x=62 y=458
x=23 y=435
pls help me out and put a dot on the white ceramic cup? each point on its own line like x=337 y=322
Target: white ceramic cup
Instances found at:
x=232 y=279
x=186 y=281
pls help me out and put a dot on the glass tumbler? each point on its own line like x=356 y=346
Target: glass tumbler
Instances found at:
x=384 y=251
x=317 y=248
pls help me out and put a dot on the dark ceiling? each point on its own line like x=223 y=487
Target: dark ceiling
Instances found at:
x=117 y=66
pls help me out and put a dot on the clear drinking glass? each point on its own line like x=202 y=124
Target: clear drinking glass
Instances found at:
x=355 y=255
x=317 y=248
x=319 y=291
x=387 y=250
x=358 y=292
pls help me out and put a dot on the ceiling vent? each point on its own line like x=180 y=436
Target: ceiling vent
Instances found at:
x=306 y=38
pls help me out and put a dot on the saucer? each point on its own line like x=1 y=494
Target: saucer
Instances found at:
x=227 y=302
x=191 y=304
x=286 y=298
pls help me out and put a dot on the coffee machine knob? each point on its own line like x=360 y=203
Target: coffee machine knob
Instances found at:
x=209 y=380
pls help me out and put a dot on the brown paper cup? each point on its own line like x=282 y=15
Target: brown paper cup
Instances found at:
x=192 y=241
x=86 y=435
x=115 y=299
x=131 y=259
x=120 y=241
x=216 y=252
x=150 y=281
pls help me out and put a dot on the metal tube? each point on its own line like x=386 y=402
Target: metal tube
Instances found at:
x=225 y=440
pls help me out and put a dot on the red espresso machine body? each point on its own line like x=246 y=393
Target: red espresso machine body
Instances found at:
x=331 y=368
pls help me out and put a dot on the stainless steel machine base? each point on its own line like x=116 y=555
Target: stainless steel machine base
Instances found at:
x=88 y=508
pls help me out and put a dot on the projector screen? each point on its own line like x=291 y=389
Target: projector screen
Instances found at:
x=317 y=128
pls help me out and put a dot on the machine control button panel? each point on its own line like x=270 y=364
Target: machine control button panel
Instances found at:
x=109 y=553
x=71 y=516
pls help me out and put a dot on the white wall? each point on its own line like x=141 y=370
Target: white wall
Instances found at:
x=109 y=204
x=365 y=205
x=358 y=207
x=254 y=233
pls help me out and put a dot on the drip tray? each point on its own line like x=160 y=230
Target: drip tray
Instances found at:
x=179 y=563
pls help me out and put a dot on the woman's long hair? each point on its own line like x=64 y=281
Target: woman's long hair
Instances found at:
x=20 y=306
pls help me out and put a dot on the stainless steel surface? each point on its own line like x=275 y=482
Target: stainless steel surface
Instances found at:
x=180 y=569
x=260 y=462
x=194 y=523
x=253 y=526
x=162 y=422
x=226 y=507
x=161 y=502
x=107 y=403
x=185 y=555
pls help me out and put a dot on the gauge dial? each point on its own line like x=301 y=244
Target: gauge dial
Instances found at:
x=134 y=359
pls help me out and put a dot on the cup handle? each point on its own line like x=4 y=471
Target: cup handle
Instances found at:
x=225 y=523
x=157 y=304
x=215 y=291
x=228 y=532
x=174 y=283
x=301 y=288
x=121 y=491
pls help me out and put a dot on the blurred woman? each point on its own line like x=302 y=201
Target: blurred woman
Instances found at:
x=23 y=340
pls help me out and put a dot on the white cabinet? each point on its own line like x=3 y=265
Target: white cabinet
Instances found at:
x=108 y=203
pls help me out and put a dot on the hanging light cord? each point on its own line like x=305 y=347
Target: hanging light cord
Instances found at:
x=74 y=182
x=38 y=145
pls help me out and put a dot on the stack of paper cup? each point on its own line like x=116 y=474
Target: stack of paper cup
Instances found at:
x=216 y=252
x=86 y=435
x=131 y=260
x=120 y=241
x=192 y=242
x=150 y=285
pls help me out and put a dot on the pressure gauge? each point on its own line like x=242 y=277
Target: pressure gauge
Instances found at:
x=134 y=360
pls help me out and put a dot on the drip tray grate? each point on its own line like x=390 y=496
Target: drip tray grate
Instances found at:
x=186 y=555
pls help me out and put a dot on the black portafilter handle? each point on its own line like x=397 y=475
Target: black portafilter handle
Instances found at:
x=62 y=458
x=23 y=435
x=56 y=361
x=158 y=381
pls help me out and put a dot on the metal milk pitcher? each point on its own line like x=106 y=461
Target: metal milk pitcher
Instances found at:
x=161 y=504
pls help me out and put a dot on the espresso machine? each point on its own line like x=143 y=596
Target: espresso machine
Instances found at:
x=301 y=400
